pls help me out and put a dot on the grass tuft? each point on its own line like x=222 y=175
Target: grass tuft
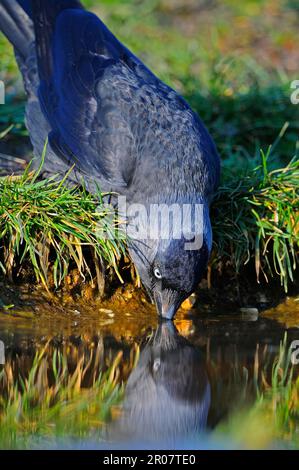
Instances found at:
x=273 y=418
x=51 y=225
x=259 y=220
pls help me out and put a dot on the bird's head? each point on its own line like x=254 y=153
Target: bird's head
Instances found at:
x=171 y=269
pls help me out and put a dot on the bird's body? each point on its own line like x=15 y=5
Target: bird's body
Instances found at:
x=106 y=113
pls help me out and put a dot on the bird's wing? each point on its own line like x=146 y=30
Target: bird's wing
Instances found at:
x=86 y=91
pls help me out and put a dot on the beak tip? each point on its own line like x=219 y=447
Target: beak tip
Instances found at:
x=167 y=306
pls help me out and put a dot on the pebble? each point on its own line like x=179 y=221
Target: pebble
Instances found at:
x=249 y=310
x=250 y=313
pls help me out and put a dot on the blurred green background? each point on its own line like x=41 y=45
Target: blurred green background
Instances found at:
x=233 y=61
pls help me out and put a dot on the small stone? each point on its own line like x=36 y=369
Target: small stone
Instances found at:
x=249 y=313
x=249 y=310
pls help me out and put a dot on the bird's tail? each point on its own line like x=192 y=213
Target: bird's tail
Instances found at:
x=17 y=26
x=44 y=15
x=21 y=20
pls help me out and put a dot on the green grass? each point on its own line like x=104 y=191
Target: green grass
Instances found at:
x=54 y=226
x=259 y=220
x=56 y=399
x=281 y=398
x=272 y=420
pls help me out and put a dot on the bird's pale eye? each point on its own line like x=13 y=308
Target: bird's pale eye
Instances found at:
x=157 y=273
x=156 y=364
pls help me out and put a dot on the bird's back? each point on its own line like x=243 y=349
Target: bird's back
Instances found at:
x=105 y=112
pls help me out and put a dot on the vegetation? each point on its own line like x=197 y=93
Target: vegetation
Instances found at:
x=276 y=406
x=56 y=398
x=64 y=395
x=259 y=220
x=44 y=220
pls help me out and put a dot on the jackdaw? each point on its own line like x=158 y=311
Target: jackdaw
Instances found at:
x=125 y=131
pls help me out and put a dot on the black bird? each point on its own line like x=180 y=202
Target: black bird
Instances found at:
x=167 y=396
x=124 y=130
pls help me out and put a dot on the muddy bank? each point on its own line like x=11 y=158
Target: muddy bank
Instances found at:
x=219 y=293
x=128 y=315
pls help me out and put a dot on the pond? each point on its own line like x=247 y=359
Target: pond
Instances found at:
x=98 y=377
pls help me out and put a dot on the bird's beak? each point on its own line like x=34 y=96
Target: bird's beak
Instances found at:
x=167 y=303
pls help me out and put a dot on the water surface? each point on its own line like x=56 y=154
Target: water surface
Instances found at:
x=180 y=380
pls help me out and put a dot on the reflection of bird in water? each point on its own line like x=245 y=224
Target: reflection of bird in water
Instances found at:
x=167 y=396
x=125 y=132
